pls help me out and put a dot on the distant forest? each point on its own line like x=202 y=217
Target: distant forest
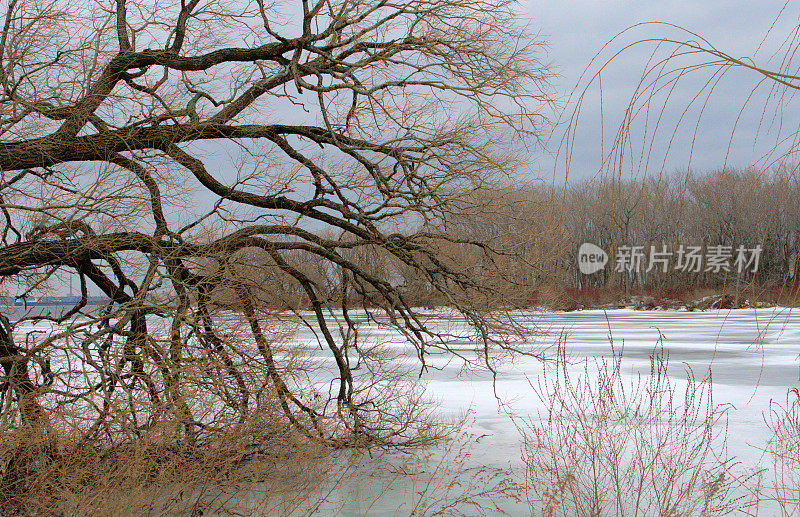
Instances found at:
x=533 y=232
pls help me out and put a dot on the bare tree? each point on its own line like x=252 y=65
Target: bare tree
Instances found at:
x=256 y=157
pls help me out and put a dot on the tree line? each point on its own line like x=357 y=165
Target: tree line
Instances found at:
x=730 y=229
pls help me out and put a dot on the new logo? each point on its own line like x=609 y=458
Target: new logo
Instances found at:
x=591 y=258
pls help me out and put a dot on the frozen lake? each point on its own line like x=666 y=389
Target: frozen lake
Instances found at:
x=753 y=356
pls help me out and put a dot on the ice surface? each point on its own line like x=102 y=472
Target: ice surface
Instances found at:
x=752 y=355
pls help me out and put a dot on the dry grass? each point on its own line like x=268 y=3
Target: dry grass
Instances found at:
x=778 y=490
x=261 y=466
x=608 y=447
x=285 y=475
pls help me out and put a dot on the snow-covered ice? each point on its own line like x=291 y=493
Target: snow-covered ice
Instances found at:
x=753 y=356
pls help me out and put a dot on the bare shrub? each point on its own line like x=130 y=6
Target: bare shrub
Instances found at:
x=779 y=487
x=606 y=446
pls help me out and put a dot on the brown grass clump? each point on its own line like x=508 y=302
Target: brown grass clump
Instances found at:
x=261 y=466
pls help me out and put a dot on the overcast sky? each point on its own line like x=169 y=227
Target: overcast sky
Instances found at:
x=577 y=30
